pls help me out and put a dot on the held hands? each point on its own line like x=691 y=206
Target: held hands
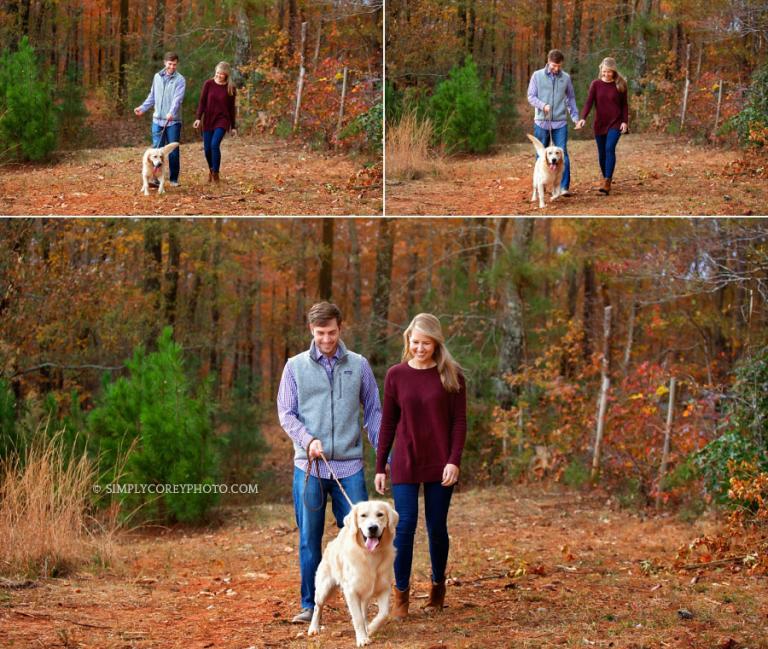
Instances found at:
x=450 y=475
x=624 y=127
x=315 y=448
x=580 y=124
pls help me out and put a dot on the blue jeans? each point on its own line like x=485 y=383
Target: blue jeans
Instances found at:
x=311 y=523
x=560 y=138
x=212 y=145
x=171 y=134
x=437 y=500
x=606 y=151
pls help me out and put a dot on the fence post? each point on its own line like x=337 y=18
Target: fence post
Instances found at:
x=667 y=435
x=302 y=72
x=605 y=384
x=341 y=106
x=717 y=112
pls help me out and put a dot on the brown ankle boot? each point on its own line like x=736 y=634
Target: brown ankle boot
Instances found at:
x=215 y=176
x=602 y=188
x=607 y=186
x=210 y=175
x=436 y=596
x=402 y=599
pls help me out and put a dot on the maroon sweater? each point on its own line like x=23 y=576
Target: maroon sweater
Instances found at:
x=428 y=422
x=217 y=105
x=611 y=107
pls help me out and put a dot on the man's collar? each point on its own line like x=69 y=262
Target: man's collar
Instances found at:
x=548 y=71
x=316 y=354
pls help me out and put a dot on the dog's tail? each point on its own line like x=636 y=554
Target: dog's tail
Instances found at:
x=169 y=147
x=536 y=143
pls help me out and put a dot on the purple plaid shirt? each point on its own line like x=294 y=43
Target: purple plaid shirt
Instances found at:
x=288 y=411
x=570 y=100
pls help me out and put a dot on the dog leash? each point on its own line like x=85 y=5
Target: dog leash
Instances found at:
x=316 y=462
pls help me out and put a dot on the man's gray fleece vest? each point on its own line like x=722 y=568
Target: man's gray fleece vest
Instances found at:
x=165 y=89
x=330 y=411
x=552 y=93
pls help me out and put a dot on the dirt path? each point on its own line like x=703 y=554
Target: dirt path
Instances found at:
x=528 y=568
x=260 y=176
x=654 y=176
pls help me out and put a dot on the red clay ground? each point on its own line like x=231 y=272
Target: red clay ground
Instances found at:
x=261 y=175
x=529 y=567
x=654 y=176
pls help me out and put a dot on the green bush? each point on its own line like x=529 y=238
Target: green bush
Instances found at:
x=754 y=116
x=746 y=435
x=71 y=108
x=9 y=441
x=461 y=111
x=245 y=446
x=28 y=116
x=152 y=421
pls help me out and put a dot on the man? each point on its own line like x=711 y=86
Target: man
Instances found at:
x=550 y=92
x=318 y=404
x=166 y=95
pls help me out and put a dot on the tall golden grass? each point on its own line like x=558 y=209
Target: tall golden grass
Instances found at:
x=45 y=503
x=408 y=149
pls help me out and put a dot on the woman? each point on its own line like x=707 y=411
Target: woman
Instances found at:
x=425 y=411
x=217 y=112
x=609 y=96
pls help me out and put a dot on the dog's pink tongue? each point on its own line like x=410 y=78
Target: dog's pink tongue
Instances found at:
x=371 y=543
x=157 y=171
x=553 y=166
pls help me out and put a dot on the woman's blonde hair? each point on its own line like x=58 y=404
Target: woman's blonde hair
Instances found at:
x=447 y=367
x=223 y=66
x=609 y=63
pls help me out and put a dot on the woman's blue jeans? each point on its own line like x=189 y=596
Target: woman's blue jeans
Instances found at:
x=212 y=144
x=437 y=500
x=311 y=523
x=606 y=151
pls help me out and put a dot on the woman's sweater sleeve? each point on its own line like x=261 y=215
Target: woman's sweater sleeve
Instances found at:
x=458 y=423
x=590 y=101
x=201 y=103
x=390 y=416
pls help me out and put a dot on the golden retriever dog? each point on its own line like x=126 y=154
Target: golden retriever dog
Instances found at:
x=548 y=171
x=361 y=561
x=153 y=165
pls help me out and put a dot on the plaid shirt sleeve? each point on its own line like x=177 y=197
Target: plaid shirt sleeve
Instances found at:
x=570 y=98
x=369 y=397
x=288 y=409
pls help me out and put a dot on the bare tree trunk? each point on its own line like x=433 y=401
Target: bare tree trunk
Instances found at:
x=242 y=44
x=590 y=302
x=381 y=292
x=153 y=265
x=511 y=322
x=630 y=337
x=687 y=85
x=302 y=72
x=325 y=282
x=215 y=356
x=172 y=273
x=357 y=279
x=667 y=436
x=158 y=29
x=605 y=385
x=122 y=59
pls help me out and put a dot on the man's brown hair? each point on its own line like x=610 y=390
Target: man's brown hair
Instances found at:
x=322 y=313
x=555 y=56
x=171 y=56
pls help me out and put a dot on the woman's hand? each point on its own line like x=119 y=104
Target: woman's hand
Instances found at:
x=450 y=475
x=380 y=482
x=580 y=124
x=623 y=128
x=196 y=124
x=234 y=132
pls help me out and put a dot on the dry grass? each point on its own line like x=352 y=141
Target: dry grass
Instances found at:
x=44 y=512
x=408 y=149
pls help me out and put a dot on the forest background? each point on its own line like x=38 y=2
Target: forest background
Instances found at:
x=101 y=316
x=462 y=67
x=72 y=71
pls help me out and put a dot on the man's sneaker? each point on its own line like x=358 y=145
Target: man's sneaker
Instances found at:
x=566 y=192
x=154 y=183
x=174 y=183
x=304 y=617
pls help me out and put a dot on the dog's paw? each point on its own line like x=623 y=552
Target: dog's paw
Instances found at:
x=362 y=641
x=313 y=630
